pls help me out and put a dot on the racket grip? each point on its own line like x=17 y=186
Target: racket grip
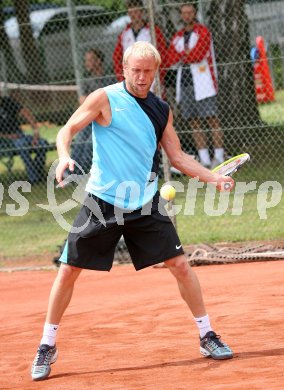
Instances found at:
x=227 y=186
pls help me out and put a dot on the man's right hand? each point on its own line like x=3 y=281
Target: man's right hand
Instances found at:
x=224 y=183
x=64 y=163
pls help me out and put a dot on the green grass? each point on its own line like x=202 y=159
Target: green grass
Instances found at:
x=38 y=233
x=247 y=226
x=34 y=234
x=273 y=113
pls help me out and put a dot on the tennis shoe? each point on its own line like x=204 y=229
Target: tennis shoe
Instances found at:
x=45 y=356
x=212 y=346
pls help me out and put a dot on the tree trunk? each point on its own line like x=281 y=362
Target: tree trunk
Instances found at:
x=34 y=68
x=13 y=74
x=228 y=23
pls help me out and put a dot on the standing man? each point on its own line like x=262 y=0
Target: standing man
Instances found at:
x=27 y=145
x=129 y=123
x=82 y=148
x=191 y=49
x=137 y=30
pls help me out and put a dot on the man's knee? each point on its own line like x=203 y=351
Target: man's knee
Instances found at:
x=19 y=142
x=68 y=274
x=41 y=147
x=179 y=266
x=23 y=143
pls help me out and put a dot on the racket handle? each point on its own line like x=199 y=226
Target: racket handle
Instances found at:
x=227 y=186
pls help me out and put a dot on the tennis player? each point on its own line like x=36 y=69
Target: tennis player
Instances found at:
x=128 y=123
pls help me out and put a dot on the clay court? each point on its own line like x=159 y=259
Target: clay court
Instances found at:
x=131 y=331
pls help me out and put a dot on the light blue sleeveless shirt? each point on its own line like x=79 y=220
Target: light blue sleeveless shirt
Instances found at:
x=124 y=165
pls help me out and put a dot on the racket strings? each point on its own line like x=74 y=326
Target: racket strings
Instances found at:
x=233 y=165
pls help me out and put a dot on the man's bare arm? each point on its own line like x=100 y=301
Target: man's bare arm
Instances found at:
x=185 y=163
x=95 y=105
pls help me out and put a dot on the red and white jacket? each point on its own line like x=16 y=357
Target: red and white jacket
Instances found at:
x=127 y=38
x=201 y=59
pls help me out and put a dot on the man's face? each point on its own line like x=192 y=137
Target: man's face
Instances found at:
x=188 y=14
x=139 y=75
x=92 y=62
x=135 y=14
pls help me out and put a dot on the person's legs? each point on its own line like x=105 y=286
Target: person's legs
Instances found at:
x=217 y=133
x=23 y=144
x=92 y=246
x=199 y=136
x=188 y=284
x=82 y=150
x=190 y=112
x=207 y=109
x=34 y=167
x=61 y=292
x=88 y=153
x=218 y=140
x=151 y=237
x=59 y=300
x=40 y=158
x=200 y=140
x=190 y=290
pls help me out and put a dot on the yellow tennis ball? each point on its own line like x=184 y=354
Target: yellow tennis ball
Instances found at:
x=168 y=192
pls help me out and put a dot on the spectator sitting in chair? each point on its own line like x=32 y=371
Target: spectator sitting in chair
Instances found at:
x=82 y=149
x=10 y=129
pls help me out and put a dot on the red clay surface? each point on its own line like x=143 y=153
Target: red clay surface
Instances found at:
x=131 y=331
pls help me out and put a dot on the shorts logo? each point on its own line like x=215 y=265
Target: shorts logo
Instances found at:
x=119 y=109
x=178 y=247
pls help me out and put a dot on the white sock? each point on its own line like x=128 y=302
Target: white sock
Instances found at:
x=219 y=154
x=49 y=334
x=203 y=324
x=204 y=156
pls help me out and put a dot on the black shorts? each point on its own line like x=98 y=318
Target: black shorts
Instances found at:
x=150 y=238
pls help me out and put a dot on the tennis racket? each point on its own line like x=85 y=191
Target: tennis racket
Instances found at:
x=231 y=166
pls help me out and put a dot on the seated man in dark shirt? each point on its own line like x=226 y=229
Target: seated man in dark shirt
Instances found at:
x=10 y=111
x=82 y=148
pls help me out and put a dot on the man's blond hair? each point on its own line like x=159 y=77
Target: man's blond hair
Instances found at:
x=142 y=49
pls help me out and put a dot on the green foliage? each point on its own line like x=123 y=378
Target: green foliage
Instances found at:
x=276 y=61
x=114 y=5
x=273 y=113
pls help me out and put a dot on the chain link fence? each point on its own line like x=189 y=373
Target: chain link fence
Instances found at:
x=224 y=81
